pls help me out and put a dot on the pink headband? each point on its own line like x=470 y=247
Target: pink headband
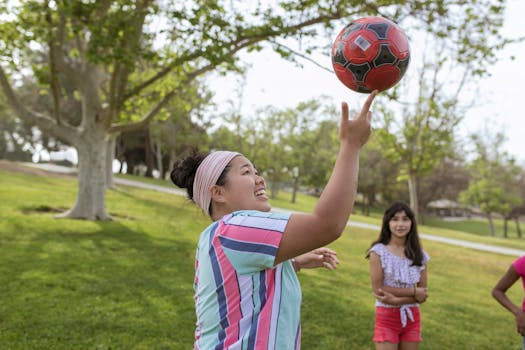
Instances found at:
x=207 y=175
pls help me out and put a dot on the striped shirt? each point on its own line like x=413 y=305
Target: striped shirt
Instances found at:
x=242 y=300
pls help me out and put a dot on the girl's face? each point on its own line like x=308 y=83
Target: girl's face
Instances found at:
x=244 y=188
x=400 y=225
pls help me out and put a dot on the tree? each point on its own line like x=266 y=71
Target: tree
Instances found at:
x=494 y=179
x=378 y=175
x=423 y=130
x=448 y=179
x=123 y=56
x=14 y=136
x=519 y=210
x=108 y=49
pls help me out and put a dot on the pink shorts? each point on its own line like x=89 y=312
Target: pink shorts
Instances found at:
x=388 y=326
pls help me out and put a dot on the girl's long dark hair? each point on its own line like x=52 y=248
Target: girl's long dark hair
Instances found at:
x=413 y=249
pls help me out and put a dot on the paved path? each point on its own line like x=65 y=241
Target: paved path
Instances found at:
x=453 y=241
x=426 y=236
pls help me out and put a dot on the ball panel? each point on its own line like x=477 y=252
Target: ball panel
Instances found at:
x=360 y=47
x=382 y=78
x=399 y=43
x=359 y=71
x=402 y=66
x=347 y=79
x=338 y=56
x=380 y=29
x=384 y=56
x=349 y=29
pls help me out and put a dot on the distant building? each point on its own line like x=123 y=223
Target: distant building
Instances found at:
x=447 y=208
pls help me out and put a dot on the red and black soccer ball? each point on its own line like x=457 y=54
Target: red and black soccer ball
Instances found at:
x=370 y=53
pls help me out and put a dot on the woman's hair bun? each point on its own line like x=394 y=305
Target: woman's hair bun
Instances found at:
x=183 y=173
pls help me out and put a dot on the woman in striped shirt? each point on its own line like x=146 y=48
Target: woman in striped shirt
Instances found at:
x=247 y=295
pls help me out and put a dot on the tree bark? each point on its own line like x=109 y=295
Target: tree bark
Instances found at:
x=157 y=148
x=171 y=162
x=295 y=187
x=91 y=195
x=412 y=192
x=148 y=154
x=491 y=224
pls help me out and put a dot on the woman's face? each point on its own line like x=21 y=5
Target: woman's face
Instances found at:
x=400 y=224
x=244 y=188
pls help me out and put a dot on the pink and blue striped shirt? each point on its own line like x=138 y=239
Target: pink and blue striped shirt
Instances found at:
x=242 y=300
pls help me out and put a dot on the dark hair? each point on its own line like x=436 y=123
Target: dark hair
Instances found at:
x=413 y=249
x=184 y=170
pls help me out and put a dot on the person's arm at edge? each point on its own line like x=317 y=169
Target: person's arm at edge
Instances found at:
x=499 y=293
x=305 y=232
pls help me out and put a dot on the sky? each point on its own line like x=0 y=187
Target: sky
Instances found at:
x=498 y=106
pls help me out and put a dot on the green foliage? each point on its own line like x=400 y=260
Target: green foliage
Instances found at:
x=495 y=182
x=128 y=284
x=115 y=66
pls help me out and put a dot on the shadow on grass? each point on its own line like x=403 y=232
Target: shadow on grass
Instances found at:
x=95 y=286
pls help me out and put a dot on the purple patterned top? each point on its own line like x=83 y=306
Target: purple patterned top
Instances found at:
x=398 y=272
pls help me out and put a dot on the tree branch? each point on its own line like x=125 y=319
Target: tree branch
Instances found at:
x=305 y=57
x=54 y=48
x=236 y=45
x=144 y=122
x=63 y=131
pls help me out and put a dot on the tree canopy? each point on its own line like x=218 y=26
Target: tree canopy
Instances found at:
x=111 y=66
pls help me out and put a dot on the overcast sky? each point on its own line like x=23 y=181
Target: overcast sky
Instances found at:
x=273 y=81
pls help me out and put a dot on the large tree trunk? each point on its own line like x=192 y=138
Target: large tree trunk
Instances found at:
x=518 y=228
x=91 y=196
x=412 y=192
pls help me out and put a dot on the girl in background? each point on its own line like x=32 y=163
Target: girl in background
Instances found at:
x=399 y=280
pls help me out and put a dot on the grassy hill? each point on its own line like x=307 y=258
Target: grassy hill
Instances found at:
x=128 y=284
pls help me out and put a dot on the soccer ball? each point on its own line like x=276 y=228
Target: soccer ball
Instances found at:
x=370 y=53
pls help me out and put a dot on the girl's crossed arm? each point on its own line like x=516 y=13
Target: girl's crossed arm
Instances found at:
x=393 y=295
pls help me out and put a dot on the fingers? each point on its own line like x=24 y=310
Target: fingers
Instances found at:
x=344 y=112
x=324 y=251
x=329 y=266
x=330 y=262
x=365 y=110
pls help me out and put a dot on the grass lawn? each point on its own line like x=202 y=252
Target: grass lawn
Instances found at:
x=128 y=284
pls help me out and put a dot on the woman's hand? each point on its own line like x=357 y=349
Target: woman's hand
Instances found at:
x=320 y=257
x=357 y=131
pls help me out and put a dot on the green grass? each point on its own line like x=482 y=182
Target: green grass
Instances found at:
x=128 y=284
x=475 y=229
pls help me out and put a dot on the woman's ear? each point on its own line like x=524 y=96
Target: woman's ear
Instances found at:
x=217 y=194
